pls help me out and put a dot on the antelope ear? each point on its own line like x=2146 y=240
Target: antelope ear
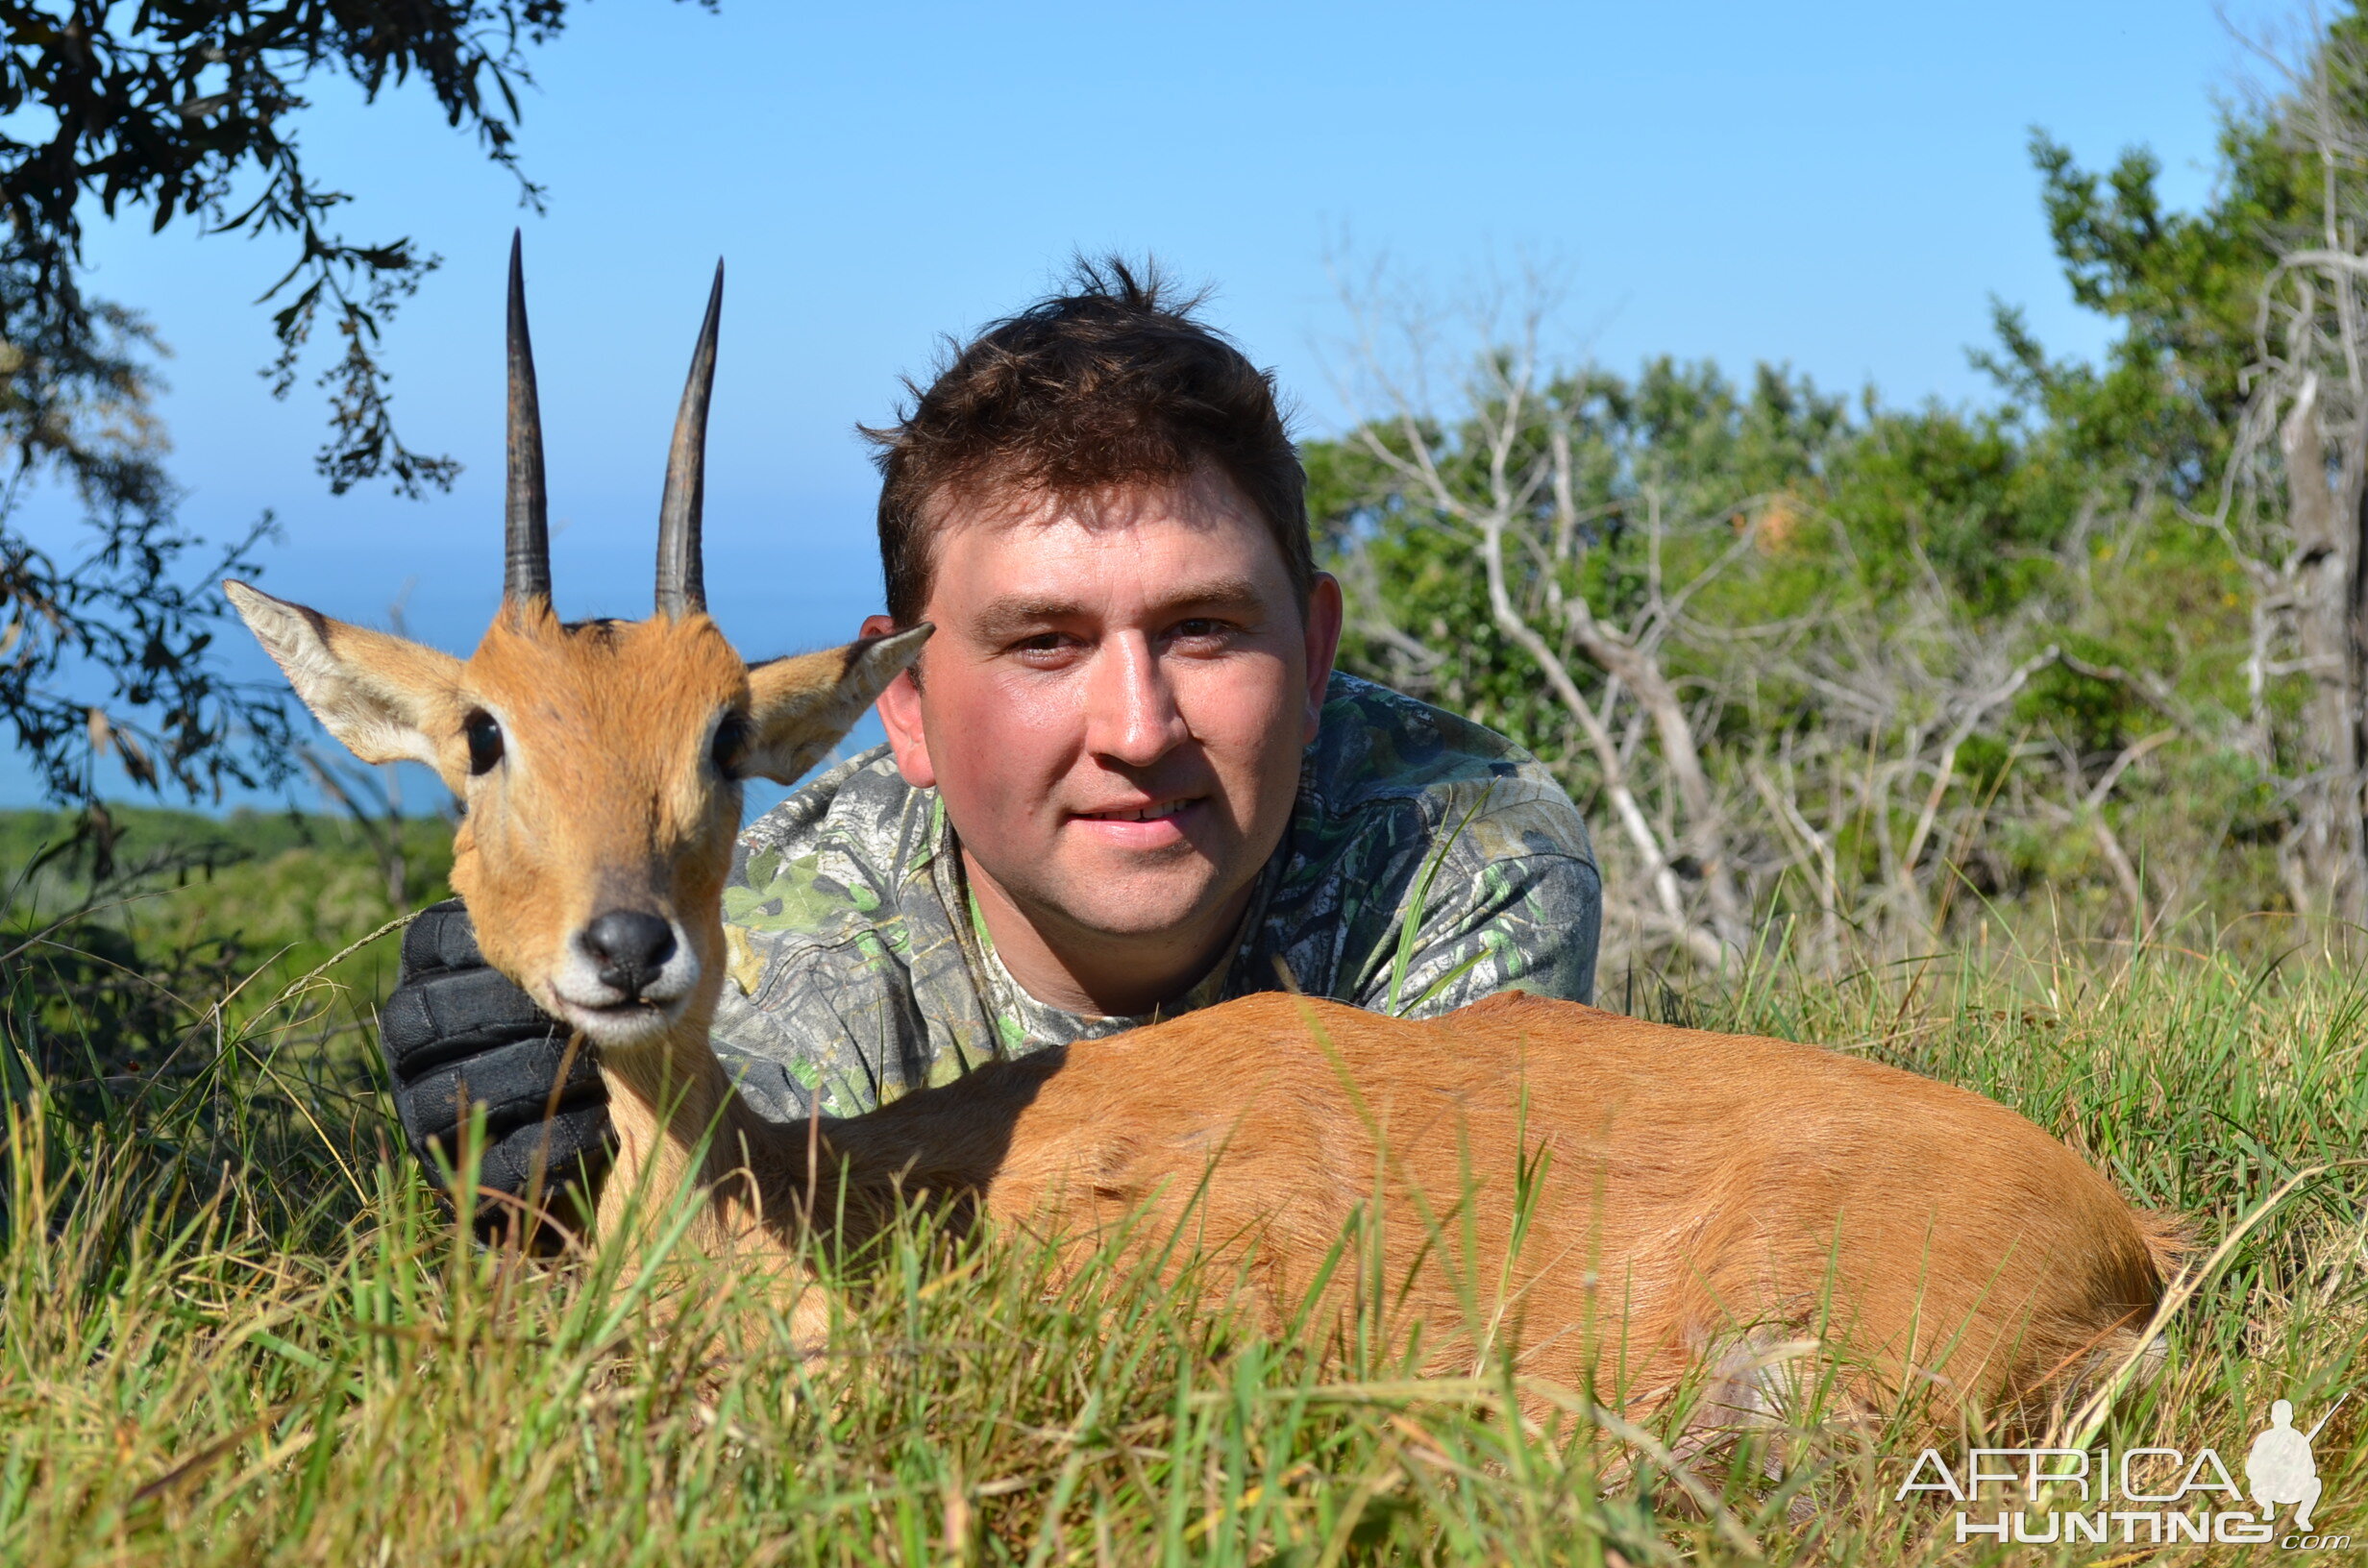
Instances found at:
x=800 y=708
x=378 y=695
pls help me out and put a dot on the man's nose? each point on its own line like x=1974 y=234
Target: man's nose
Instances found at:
x=1132 y=716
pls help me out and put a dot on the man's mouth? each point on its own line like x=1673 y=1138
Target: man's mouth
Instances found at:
x=1151 y=812
x=1142 y=827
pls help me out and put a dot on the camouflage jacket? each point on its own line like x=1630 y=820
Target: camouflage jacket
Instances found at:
x=861 y=968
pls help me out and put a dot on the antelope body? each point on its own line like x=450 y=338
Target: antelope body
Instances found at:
x=1613 y=1196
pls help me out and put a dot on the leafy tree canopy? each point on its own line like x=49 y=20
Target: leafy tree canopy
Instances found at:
x=1787 y=639
x=190 y=111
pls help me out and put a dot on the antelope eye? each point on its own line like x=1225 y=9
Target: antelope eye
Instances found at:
x=484 y=743
x=731 y=736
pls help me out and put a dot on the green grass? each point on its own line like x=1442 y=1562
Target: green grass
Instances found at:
x=236 y=1328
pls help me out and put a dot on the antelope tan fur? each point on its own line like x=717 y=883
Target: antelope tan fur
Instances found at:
x=1680 y=1200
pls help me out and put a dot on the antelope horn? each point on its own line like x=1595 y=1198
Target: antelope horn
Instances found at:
x=681 y=581
x=526 y=556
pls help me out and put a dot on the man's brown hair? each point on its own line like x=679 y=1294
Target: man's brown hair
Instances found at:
x=1114 y=382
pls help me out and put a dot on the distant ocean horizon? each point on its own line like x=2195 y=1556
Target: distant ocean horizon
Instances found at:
x=775 y=584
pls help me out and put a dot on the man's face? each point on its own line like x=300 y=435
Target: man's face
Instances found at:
x=1115 y=702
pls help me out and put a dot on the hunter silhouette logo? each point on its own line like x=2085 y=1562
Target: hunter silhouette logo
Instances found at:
x=2280 y=1469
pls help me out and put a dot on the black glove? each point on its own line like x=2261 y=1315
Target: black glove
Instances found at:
x=456 y=1034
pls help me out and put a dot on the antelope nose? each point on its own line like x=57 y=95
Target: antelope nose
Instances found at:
x=628 y=947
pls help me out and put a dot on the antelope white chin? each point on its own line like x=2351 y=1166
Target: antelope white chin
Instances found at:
x=616 y=1019
x=623 y=1026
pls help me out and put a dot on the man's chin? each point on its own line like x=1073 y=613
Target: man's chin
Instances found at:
x=1130 y=908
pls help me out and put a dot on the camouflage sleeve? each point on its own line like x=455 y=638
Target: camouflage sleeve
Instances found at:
x=1514 y=903
x=817 y=1003
x=828 y=1021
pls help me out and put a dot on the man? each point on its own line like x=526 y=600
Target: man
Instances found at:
x=1121 y=783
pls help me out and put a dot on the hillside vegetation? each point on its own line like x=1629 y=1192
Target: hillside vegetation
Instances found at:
x=114 y=948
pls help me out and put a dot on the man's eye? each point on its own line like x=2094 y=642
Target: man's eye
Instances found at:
x=1200 y=628
x=1043 y=643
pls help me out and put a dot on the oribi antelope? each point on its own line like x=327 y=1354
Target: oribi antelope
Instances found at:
x=1619 y=1189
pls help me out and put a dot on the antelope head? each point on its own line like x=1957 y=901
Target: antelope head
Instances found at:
x=600 y=762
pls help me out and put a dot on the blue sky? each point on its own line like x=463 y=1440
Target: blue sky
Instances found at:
x=1839 y=187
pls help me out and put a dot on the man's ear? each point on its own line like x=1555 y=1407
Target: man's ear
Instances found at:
x=378 y=695
x=799 y=708
x=899 y=707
